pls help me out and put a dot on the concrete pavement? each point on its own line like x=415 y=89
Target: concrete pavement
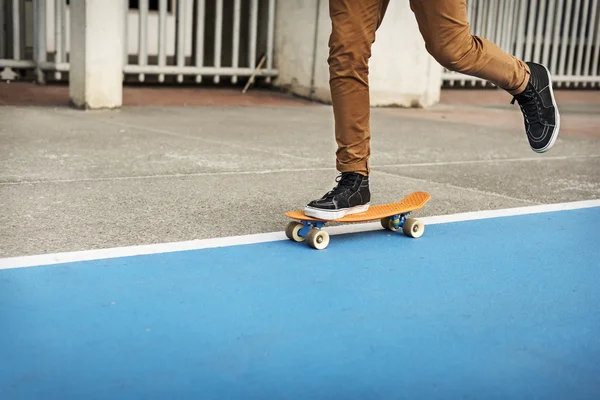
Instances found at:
x=182 y=168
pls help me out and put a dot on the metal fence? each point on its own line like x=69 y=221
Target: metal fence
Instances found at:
x=562 y=34
x=165 y=40
x=190 y=40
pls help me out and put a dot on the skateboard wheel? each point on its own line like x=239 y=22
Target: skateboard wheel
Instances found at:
x=386 y=223
x=292 y=230
x=317 y=239
x=413 y=228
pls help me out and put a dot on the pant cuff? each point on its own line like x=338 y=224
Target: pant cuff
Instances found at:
x=361 y=167
x=523 y=84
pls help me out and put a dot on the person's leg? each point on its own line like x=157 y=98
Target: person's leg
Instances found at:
x=354 y=23
x=445 y=28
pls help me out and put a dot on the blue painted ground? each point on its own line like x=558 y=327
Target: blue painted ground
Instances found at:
x=506 y=308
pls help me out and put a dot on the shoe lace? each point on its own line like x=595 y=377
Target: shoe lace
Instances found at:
x=530 y=105
x=345 y=181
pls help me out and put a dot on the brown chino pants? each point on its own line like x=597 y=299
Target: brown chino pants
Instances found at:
x=446 y=32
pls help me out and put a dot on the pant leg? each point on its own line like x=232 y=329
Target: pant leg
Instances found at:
x=354 y=23
x=445 y=28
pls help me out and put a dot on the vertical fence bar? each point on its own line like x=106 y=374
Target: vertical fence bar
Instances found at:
x=499 y=21
x=596 y=52
x=36 y=19
x=564 y=42
x=59 y=33
x=573 y=39
x=181 y=36
x=530 y=30
x=236 y=37
x=491 y=15
x=510 y=27
x=218 y=36
x=125 y=32
x=538 y=44
x=512 y=10
x=199 y=61
x=519 y=47
x=588 y=50
x=472 y=8
x=556 y=39
x=143 y=35
x=504 y=33
x=252 y=39
x=270 y=36
x=16 y=16
x=551 y=24
x=470 y=16
x=516 y=25
x=582 y=38
x=162 y=37
x=23 y=29
x=480 y=14
x=39 y=32
x=2 y=31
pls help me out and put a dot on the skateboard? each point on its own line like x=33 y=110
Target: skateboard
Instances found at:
x=393 y=216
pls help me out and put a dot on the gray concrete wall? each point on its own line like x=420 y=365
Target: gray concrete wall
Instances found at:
x=295 y=32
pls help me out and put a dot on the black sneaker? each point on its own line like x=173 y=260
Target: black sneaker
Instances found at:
x=350 y=196
x=542 y=121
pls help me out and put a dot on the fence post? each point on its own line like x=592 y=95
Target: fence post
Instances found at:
x=39 y=37
x=2 y=31
x=16 y=29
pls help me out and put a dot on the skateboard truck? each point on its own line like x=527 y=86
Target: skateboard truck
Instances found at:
x=309 y=231
x=308 y=225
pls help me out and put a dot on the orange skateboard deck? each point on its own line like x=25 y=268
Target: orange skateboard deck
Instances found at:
x=393 y=216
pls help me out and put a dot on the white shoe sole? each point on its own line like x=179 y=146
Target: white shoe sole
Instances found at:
x=557 y=114
x=337 y=214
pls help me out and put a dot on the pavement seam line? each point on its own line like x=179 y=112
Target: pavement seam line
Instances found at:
x=449 y=185
x=184 y=136
x=287 y=170
x=195 y=174
x=491 y=161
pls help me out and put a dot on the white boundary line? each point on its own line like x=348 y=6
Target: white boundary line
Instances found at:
x=88 y=255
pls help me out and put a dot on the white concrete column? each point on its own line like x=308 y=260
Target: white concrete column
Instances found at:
x=96 y=55
x=401 y=72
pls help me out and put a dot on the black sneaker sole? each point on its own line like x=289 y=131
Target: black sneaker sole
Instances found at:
x=556 y=115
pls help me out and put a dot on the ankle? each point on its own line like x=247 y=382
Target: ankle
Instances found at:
x=362 y=173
